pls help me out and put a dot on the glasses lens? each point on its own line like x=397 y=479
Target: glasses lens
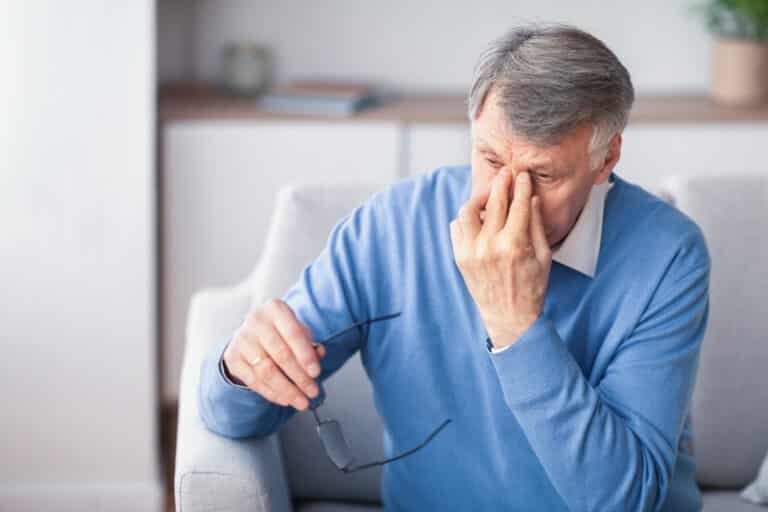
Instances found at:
x=334 y=443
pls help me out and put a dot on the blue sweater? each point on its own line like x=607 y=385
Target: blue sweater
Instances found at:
x=588 y=410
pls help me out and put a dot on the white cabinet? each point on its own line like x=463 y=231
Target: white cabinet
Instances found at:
x=429 y=146
x=652 y=152
x=219 y=183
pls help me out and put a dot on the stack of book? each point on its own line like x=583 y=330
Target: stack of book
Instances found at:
x=324 y=97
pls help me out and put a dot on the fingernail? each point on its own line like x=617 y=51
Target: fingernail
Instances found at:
x=522 y=176
x=314 y=369
x=311 y=390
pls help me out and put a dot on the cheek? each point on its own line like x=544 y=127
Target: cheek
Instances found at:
x=553 y=215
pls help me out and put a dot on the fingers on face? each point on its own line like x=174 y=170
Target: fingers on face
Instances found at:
x=519 y=216
x=498 y=202
x=471 y=215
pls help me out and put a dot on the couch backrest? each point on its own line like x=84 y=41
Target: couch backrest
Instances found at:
x=299 y=229
x=730 y=402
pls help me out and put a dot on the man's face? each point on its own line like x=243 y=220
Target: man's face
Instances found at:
x=560 y=174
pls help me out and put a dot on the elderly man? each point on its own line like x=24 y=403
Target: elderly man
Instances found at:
x=550 y=309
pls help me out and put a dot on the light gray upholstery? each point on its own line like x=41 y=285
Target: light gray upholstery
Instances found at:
x=212 y=472
x=300 y=225
x=730 y=402
x=727 y=501
x=757 y=491
x=729 y=407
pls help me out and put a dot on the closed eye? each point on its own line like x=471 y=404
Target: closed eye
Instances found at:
x=493 y=162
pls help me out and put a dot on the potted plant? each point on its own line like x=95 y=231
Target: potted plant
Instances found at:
x=740 y=56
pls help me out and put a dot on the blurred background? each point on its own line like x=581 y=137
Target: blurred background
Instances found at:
x=142 y=144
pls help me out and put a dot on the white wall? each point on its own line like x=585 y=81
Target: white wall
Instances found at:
x=78 y=427
x=433 y=44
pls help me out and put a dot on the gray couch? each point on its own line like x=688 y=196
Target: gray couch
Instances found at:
x=289 y=471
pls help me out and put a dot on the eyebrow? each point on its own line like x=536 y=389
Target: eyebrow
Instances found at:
x=486 y=148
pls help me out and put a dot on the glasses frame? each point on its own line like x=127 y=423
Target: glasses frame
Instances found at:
x=324 y=425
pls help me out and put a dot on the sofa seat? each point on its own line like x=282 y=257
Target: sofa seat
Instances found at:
x=727 y=501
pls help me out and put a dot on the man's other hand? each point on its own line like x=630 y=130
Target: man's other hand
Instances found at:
x=273 y=354
x=504 y=256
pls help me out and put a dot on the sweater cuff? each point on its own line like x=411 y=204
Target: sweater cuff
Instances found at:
x=223 y=370
x=537 y=363
x=221 y=384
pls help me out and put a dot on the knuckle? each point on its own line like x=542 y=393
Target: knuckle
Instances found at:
x=230 y=352
x=520 y=245
x=272 y=305
x=482 y=251
x=248 y=378
x=260 y=318
x=269 y=372
x=304 y=382
x=282 y=354
x=294 y=331
x=310 y=359
x=504 y=246
x=257 y=315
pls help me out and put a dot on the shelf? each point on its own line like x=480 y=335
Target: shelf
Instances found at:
x=202 y=102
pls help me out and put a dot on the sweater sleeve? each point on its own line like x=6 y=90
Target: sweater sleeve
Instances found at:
x=612 y=446
x=327 y=297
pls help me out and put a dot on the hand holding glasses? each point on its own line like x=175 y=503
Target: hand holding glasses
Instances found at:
x=273 y=355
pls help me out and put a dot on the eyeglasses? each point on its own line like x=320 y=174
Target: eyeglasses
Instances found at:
x=332 y=437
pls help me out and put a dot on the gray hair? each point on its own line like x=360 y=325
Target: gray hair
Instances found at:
x=550 y=79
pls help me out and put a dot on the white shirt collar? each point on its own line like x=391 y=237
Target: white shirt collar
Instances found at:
x=581 y=246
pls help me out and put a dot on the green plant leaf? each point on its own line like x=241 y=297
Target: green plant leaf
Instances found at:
x=740 y=19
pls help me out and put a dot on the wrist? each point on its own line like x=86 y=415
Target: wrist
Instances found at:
x=504 y=336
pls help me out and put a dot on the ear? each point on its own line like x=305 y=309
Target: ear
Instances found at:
x=611 y=159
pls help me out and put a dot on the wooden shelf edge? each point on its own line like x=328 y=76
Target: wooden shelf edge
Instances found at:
x=206 y=103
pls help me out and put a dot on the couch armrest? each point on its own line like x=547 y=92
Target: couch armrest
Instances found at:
x=213 y=472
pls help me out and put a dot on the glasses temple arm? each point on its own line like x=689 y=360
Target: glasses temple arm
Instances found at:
x=404 y=454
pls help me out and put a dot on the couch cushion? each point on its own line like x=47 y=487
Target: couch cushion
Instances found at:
x=301 y=223
x=727 y=501
x=757 y=491
x=729 y=416
x=298 y=230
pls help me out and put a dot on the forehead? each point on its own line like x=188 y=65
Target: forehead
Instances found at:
x=490 y=133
